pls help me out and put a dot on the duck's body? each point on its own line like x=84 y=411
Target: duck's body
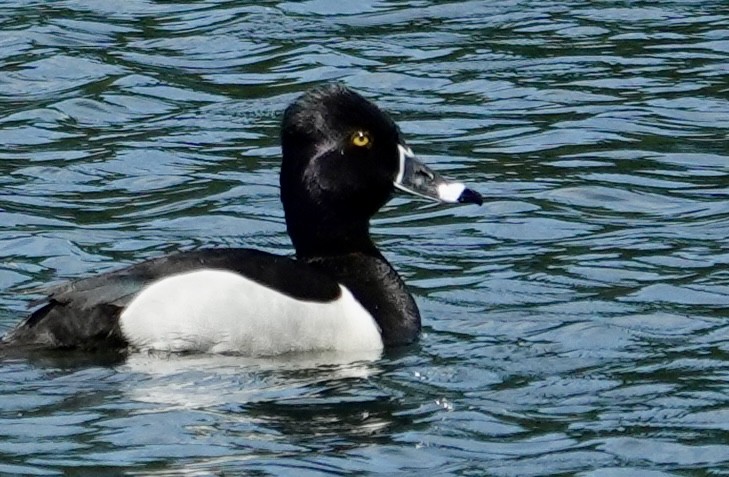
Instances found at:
x=343 y=159
x=222 y=300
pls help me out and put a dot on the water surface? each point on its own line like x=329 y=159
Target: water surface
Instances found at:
x=574 y=325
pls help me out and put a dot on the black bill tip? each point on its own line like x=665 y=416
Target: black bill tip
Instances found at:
x=470 y=196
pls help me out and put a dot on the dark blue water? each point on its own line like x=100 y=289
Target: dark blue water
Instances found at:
x=575 y=324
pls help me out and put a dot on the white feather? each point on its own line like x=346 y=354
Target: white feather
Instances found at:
x=219 y=311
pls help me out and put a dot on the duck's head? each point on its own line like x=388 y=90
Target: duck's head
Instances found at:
x=343 y=159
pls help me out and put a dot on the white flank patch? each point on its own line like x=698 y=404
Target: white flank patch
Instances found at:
x=450 y=191
x=219 y=311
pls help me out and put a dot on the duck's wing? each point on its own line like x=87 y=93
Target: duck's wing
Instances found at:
x=85 y=313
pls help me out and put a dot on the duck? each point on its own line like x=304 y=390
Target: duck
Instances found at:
x=343 y=158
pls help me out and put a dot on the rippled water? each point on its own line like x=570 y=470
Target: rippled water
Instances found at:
x=574 y=325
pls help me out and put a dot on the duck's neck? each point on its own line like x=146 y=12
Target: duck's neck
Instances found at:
x=317 y=235
x=378 y=288
x=329 y=244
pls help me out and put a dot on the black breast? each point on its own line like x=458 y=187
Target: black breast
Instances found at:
x=378 y=287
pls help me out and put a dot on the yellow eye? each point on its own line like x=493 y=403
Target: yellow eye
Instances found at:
x=361 y=139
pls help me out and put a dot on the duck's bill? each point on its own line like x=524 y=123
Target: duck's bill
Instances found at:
x=416 y=178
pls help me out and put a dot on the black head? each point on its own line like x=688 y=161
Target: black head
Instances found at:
x=341 y=149
x=343 y=158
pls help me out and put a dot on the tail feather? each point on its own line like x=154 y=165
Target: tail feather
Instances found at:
x=58 y=325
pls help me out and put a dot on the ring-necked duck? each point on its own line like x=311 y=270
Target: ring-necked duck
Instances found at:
x=343 y=158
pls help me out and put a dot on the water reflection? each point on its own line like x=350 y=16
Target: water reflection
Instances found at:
x=173 y=379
